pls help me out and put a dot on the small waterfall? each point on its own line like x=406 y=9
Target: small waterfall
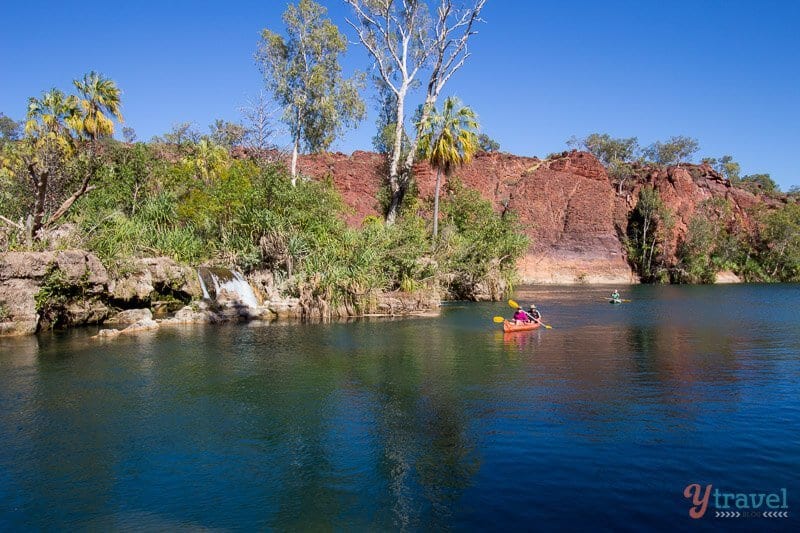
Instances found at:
x=206 y=296
x=228 y=284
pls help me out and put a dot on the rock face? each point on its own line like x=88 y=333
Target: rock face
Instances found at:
x=22 y=274
x=566 y=203
x=573 y=213
x=152 y=278
x=683 y=190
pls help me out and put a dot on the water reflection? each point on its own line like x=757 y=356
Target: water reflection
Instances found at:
x=396 y=424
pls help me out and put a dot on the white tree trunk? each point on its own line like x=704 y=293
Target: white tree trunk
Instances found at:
x=436 y=204
x=295 y=150
x=394 y=165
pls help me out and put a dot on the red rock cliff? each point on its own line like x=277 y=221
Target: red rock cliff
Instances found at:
x=568 y=205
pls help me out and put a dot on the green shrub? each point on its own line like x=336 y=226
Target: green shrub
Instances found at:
x=56 y=293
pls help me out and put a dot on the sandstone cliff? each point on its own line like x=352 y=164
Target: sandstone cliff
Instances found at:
x=567 y=205
x=573 y=213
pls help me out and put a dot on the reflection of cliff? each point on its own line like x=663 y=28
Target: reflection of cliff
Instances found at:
x=602 y=378
x=568 y=205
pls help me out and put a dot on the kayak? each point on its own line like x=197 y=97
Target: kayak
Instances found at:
x=615 y=301
x=510 y=327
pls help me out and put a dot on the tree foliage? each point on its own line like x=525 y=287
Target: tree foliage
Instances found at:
x=617 y=154
x=487 y=144
x=226 y=134
x=779 y=242
x=712 y=244
x=759 y=183
x=51 y=159
x=10 y=129
x=726 y=166
x=303 y=73
x=101 y=101
x=674 y=151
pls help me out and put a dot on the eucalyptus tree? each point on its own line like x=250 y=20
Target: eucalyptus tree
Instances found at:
x=487 y=144
x=9 y=129
x=303 y=73
x=726 y=166
x=674 y=151
x=226 y=134
x=405 y=42
x=616 y=153
x=447 y=140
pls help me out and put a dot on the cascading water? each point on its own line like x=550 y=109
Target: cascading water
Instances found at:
x=216 y=282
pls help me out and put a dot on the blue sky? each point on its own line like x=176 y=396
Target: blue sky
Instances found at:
x=723 y=71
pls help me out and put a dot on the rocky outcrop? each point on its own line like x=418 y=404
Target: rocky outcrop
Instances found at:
x=139 y=326
x=565 y=203
x=78 y=279
x=572 y=212
x=726 y=276
x=684 y=189
x=150 y=280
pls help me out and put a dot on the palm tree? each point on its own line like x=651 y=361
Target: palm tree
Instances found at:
x=49 y=121
x=448 y=140
x=100 y=96
x=54 y=114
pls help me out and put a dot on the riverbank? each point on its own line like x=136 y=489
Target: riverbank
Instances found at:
x=71 y=288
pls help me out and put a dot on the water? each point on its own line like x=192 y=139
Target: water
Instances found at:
x=228 y=282
x=416 y=423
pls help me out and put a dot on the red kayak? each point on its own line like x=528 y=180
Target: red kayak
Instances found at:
x=510 y=327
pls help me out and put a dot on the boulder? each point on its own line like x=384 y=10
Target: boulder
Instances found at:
x=107 y=333
x=189 y=315
x=85 y=311
x=142 y=325
x=131 y=316
x=726 y=276
x=22 y=274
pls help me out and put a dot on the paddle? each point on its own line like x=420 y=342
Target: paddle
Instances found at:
x=515 y=305
x=499 y=319
x=621 y=300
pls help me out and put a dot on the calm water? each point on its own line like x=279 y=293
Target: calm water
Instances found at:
x=417 y=423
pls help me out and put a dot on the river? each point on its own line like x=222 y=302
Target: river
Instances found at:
x=419 y=423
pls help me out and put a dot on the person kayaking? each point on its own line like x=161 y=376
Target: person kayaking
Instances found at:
x=534 y=314
x=615 y=295
x=520 y=317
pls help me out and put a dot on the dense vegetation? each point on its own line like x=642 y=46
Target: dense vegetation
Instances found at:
x=197 y=204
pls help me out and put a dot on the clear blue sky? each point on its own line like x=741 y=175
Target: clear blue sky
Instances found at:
x=723 y=71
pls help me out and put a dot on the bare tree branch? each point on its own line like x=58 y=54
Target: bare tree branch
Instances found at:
x=62 y=210
x=12 y=223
